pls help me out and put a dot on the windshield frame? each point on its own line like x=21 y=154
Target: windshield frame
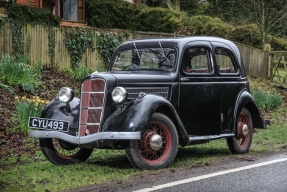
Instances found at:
x=160 y=45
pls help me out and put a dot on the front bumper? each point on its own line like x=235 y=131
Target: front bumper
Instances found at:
x=85 y=139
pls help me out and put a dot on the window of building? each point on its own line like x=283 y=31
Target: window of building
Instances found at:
x=71 y=10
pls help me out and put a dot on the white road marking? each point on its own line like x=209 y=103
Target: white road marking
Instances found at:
x=153 y=188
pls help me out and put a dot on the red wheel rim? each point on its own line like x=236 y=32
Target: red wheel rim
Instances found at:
x=243 y=139
x=147 y=153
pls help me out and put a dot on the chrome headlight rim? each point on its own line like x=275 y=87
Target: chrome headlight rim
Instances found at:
x=119 y=95
x=66 y=94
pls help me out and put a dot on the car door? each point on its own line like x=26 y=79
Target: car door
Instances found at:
x=230 y=82
x=199 y=96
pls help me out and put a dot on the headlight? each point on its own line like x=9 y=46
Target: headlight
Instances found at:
x=119 y=94
x=66 y=94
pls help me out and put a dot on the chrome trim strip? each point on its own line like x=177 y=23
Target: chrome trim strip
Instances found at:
x=209 y=137
x=85 y=139
x=92 y=107
x=91 y=124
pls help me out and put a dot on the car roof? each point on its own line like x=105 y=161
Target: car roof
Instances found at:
x=182 y=41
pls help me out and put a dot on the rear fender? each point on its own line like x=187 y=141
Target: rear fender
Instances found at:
x=137 y=114
x=58 y=110
x=246 y=100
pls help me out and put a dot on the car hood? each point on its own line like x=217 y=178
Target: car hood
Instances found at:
x=139 y=77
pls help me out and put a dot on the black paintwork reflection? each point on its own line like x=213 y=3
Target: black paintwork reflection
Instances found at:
x=57 y=110
x=136 y=115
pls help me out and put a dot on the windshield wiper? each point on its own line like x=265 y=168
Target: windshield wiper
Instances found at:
x=138 y=54
x=163 y=52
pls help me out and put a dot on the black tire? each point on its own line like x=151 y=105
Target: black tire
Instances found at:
x=241 y=143
x=143 y=155
x=63 y=153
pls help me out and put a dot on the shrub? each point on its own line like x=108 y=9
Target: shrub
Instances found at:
x=18 y=73
x=81 y=72
x=136 y=17
x=278 y=44
x=205 y=25
x=247 y=34
x=267 y=101
x=28 y=108
x=7 y=87
x=106 y=43
x=32 y=14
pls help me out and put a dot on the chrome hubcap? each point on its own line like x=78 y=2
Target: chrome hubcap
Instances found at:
x=245 y=130
x=155 y=142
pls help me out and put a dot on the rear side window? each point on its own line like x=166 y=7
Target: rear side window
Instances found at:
x=196 y=60
x=225 y=61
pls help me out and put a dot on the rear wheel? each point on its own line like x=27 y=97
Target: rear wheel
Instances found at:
x=157 y=147
x=242 y=142
x=60 y=152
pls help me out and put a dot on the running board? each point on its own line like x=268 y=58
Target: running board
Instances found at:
x=194 y=138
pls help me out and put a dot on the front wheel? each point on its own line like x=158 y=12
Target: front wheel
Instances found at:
x=158 y=145
x=241 y=143
x=60 y=152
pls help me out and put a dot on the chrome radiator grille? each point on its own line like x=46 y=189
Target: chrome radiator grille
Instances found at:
x=133 y=92
x=92 y=106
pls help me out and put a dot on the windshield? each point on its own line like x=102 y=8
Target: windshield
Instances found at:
x=145 y=58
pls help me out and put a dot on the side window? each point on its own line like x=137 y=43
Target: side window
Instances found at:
x=224 y=60
x=196 y=60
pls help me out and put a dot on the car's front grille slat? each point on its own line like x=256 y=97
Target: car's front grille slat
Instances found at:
x=92 y=106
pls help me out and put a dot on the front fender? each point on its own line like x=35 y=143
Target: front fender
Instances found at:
x=58 y=110
x=137 y=114
x=246 y=100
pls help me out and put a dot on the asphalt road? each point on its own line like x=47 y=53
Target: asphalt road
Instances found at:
x=256 y=176
x=244 y=173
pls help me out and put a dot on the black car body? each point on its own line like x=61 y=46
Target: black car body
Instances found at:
x=157 y=93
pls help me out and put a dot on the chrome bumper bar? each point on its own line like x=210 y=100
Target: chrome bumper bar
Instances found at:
x=85 y=139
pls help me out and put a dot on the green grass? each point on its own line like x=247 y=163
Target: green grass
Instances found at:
x=281 y=77
x=106 y=165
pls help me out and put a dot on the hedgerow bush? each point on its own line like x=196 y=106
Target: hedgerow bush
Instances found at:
x=246 y=34
x=205 y=25
x=32 y=14
x=278 y=43
x=136 y=17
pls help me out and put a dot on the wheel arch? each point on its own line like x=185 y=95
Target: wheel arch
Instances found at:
x=245 y=100
x=166 y=110
x=137 y=115
x=56 y=109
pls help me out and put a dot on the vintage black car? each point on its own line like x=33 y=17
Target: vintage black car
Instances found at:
x=157 y=94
